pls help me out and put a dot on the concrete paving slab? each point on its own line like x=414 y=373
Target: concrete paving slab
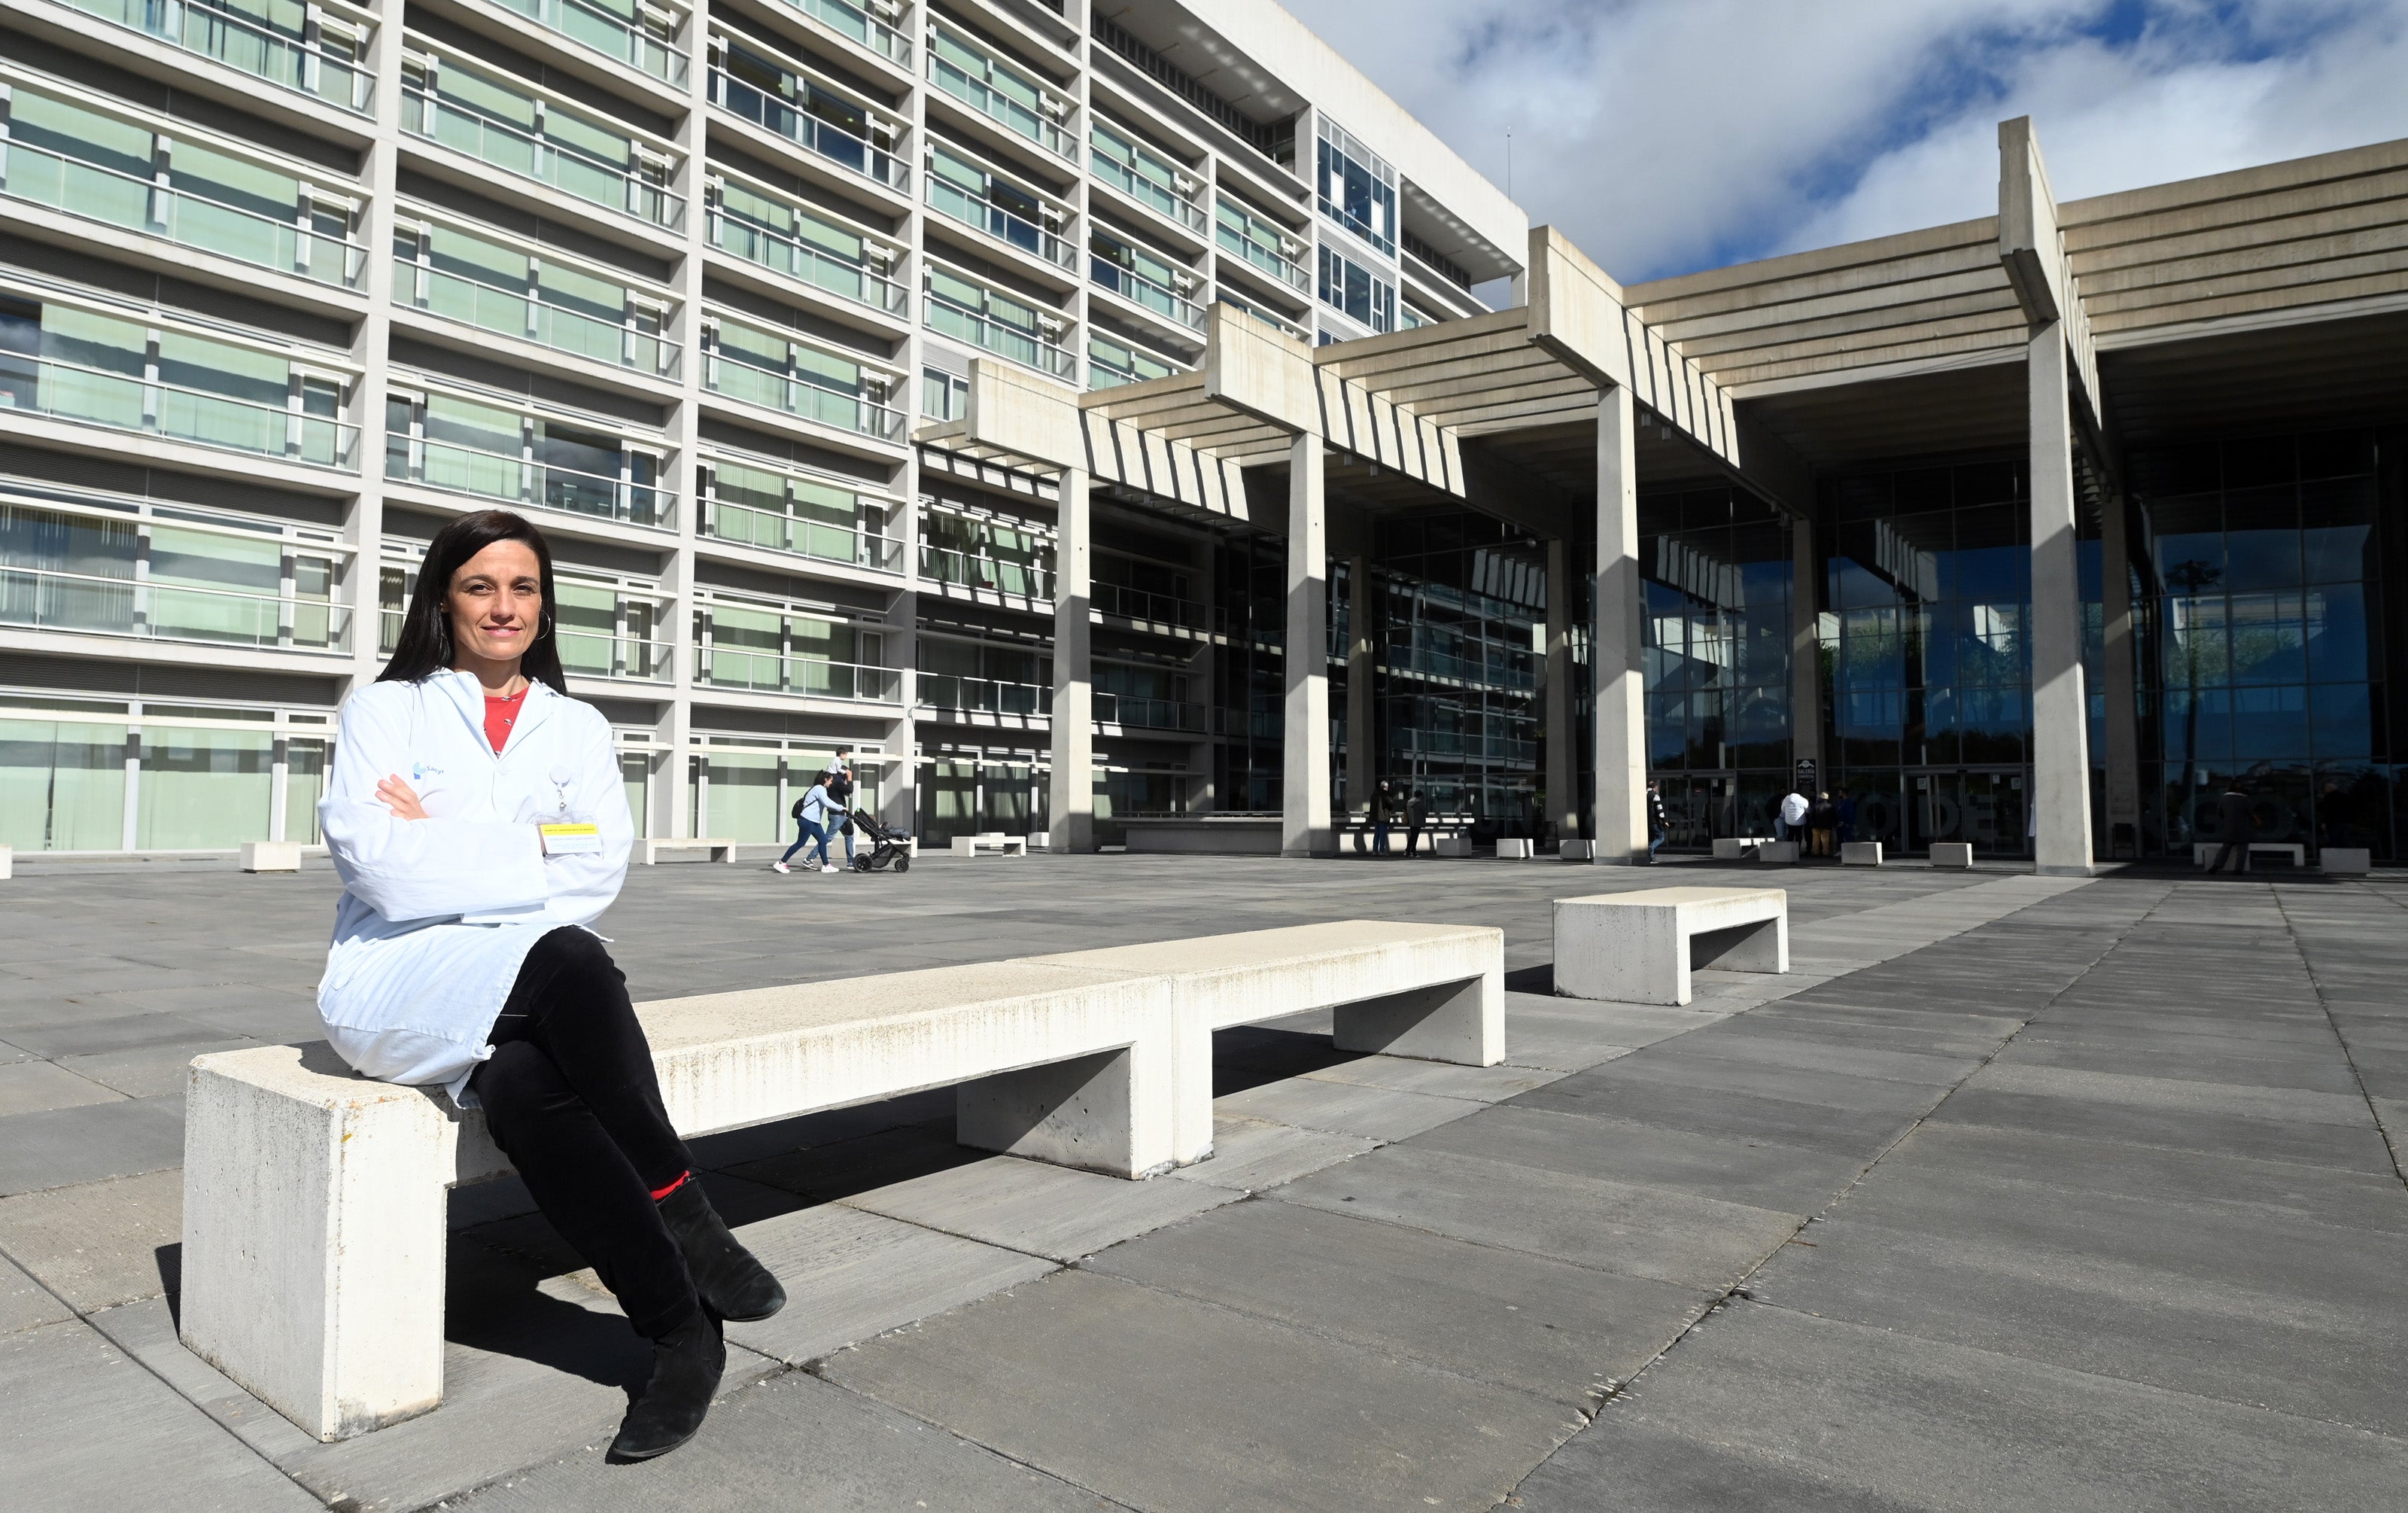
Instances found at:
x=88 y=1427
x=92 y=1034
x=1481 y=1084
x=2306 y=1067
x=1343 y=1108
x=100 y=1243
x=850 y=1274
x=1769 y=1399
x=1042 y=1210
x=1165 y=1404
x=1849 y=1133
x=1517 y=1319
x=1249 y=1155
x=1761 y=1174
x=146 y=1332
x=801 y=1446
x=64 y=1146
x=1616 y=1024
x=1675 y=1066
x=150 y=1071
x=24 y=1302
x=842 y=1168
x=2317 y=1144
x=1623 y=1460
x=33 y=1087
x=1646 y=1231
x=1780 y=1046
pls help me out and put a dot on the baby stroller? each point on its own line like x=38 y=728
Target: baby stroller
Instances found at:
x=888 y=847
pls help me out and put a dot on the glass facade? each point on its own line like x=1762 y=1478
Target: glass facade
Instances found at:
x=79 y=774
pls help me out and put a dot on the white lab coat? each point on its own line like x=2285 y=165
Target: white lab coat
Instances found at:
x=439 y=913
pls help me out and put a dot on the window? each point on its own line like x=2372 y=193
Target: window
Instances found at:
x=1349 y=287
x=1357 y=190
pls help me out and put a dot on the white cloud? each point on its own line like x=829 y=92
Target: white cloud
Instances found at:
x=1666 y=134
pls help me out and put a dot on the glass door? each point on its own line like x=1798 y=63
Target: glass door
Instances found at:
x=1987 y=806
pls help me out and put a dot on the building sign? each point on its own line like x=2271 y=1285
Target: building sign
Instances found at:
x=1806 y=776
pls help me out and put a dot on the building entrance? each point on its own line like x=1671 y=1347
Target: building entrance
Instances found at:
x=1983 y=806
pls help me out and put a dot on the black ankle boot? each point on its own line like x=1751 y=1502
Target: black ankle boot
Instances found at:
x=687 y=1362
x=732 y=1283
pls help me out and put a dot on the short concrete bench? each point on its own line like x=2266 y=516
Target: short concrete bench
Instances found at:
x=1640 y=948
x=994 y=841
x=7 y=863
x=2203 y=852
x=1576 y=850
x=1739 y=847
x=649 y=851
x=271 y=856
x=1777 y=851
x=314 y=1207
x=2341 y=862
x=1510 y=849
x=1952 y=856
x=1457 y=845
x=1860 y=852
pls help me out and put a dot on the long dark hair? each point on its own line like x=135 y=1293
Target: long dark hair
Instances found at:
x=425 y=646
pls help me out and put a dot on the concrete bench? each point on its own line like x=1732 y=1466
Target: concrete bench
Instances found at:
x=1457 y=845
x=8 y=863
x=1510 y=849
x=1739 y=847
x=2203 y=852
x=271 y=856
x=1777 y=851
x=2350 y=861
x=1860 y=852
x=649 y=851
x=1576 y=850
x=1954 y=856
x=314 y=1206
x=1640 y=948
x=994 y=841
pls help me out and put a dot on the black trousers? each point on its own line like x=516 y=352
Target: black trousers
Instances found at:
x=571 y=1098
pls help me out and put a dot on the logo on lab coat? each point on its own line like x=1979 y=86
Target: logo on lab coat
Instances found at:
x=420 y=770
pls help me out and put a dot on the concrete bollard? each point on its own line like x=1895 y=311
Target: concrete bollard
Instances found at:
x=1577 y=850
x=1777 y=851
x=1739 y=847
x=8 y=863
x=271 y=856
x=2336 y=860
x=1860 y=852
x=1954 y=856
x=1513 y=850
x=1450 y=846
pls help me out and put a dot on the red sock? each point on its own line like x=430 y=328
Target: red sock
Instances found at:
x=659 y=1193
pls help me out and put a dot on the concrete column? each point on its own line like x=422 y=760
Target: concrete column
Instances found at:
x=1563 y=782
x=2123 y=722
x=1071 y=799
x=1361 y=748
x=1614 y=651
x=2061 y=746
x=1805 y=646
x=1304 y=793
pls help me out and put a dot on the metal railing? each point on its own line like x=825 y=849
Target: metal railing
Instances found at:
x=798 y=396
x=1138 y=289
x=1261 y=254
x=983 y=330
x=1146 y=714
x=119 y=401
x=242 y=43
x=49 y=599
x=806 y=263
x=1137 y=604
x=857 y=23
x=951 y=200
x=983 y=695
x=1014 y=115
x=601 y=653
x=944 y=564
x=1496 y=672
x=610 y=35
x=772 y=531
x=59 y=182
x=514 y=313
x=514 y=150
x=1146 y=192
x=493 y=475
x=770 y=672
x=807 y=131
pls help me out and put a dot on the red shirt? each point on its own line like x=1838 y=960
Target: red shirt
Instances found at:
x=500 y=715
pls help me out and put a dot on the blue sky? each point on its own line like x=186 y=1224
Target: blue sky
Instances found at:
x=1666 y=136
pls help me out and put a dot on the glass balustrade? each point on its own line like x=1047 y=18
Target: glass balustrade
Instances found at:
x=134 y=203
x=1152 y=294
x=263 y=38
x=130 y=402
x=857 y=23
x=996 y=330
x=599 y=654
x=983 y=695
x=507 y=312
x=768 y=671
x=775 y=531
x=819 y=122
x=457 y=469
x=1145 y=177
x=1111 y=364
x=1148 y=713
x=49 y=599
x=946 y=565
x=1000 y=92
x=1137 y=604
x=615 y=30
x=786 y=238
x=599 y=166
x=1259 y=243
x=790 y=391
x=956 y=201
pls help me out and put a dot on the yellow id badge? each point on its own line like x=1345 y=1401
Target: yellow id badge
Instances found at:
x=571 y=840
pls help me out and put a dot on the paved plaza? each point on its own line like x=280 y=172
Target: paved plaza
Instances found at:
x=2017 y=1193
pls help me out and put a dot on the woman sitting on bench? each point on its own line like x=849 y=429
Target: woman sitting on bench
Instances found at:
x=477 y=818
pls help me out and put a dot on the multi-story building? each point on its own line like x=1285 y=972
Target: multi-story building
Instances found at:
x=949 y=381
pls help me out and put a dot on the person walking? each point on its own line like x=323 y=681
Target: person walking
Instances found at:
x=1845 y=815
x=1788 y=821
x=2232 y=813
x=1820 y=819
x=1659 y=828
x=1381 y=804
x=840 y=793
x=462 y=958
x=1416 y=819
x=810 y=813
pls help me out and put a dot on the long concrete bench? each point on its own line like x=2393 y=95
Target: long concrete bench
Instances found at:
x=994 y=841
x=648 y=850
x=314 y=1207
x=1640 y=948
x=2205 y=852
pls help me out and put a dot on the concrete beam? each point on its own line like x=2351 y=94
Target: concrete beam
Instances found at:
x=2031 y=249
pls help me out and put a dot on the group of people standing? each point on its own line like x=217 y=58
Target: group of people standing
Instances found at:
x=1823 y=823
x=1392 y=802
x=824 y=814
